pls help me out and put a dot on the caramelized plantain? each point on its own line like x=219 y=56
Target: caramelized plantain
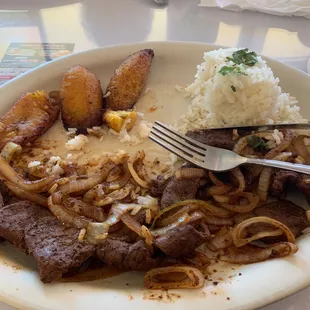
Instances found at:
x=81 y=98
x=28 y=119
x=128 y=81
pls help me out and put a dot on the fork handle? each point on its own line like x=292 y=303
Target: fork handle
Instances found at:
x=279 y=164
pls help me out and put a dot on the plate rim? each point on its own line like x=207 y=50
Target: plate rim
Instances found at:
x=9 y=300
x=131 y=45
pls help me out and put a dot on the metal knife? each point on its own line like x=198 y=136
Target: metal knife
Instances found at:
x=266 y=127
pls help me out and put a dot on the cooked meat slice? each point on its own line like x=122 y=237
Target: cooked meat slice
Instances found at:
x=158 y=186
x=304 y=188
x=281 y=180
x=28 y=119
x=123 y=234
x=55 y=248
x=126 y=256
x=139 y=257
x=179 y=190
x=1 y=201
x=286 y=212
x=219 y=138
x=14 y=219
x=182 y=241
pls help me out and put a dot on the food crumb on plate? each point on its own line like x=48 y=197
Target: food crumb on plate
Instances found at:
x=107 y=95
x=34 y=163
x=147 y=90
x=153 y=108
x=77 y=143
x=179 y=88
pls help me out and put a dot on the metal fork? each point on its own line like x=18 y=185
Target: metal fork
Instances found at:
x=209 y=157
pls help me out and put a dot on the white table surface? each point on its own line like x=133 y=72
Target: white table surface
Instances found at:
x=96 y=23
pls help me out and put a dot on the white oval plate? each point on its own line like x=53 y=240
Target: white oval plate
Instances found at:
x=240 y=287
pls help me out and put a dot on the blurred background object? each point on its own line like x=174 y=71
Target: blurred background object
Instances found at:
x=162 y=2
x=275 y=7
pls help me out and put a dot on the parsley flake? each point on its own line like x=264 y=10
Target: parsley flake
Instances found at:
x=243 y=57
x=256 y=142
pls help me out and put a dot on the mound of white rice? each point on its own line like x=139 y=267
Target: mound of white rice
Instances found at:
x=251 y=98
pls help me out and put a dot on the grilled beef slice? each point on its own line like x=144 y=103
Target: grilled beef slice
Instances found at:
x=55 y=247
x=14 y=219
x=158 y=186
x=283 y=178
x=182 y=241
x=219 y=138
x=126 y=256
x=286 y=212
x=179 y=190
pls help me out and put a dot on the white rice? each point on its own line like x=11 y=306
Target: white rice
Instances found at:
x=257 y=99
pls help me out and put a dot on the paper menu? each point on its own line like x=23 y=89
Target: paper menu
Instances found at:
x=20 y=57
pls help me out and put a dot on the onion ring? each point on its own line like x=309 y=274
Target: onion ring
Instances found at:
x=221 y=198
x=190 y=173
x=132 y=224
x=97 y=232
x=66 y=216
x=31 y=186
x=114 y=174
x=223 y=239
x=239 y=232
x=20 y=193
x=96 y=192
x=264 y=183
x=194 y=278
x=82 y=208
x=288 y=137
x=286 y=156
x=10 y=150
x=252 y=199
x=114 y=196
x=218 y=221
x=86 y=184
x=174 y=217
x=249 y=255
x=131 y=161
x=181 y=221
x=204 y=205
x=240 y=178
x=219 y=190
x=215 y=180
x=301 y=149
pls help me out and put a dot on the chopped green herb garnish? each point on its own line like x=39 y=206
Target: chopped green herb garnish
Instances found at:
x=233 y=88
x=230 y=69
x=256 y=142
x=243 y=57
x=225 y=70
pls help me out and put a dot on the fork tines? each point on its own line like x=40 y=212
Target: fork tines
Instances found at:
x=178 y=144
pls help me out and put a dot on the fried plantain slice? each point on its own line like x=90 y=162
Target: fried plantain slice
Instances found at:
x=128 y=81
x=81 y=97
x=28 y=119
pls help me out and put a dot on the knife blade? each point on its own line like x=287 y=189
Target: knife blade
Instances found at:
x=266 y=127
